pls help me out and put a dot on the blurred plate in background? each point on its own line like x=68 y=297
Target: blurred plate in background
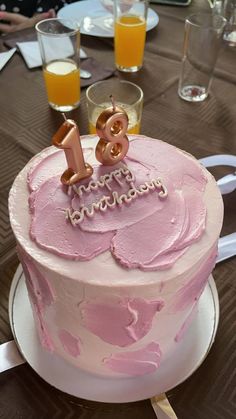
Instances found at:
x=95 y=20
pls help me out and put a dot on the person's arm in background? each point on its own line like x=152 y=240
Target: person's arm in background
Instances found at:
x=16 y=21
x=27 y=16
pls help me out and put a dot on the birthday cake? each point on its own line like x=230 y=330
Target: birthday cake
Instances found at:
x=115 y=265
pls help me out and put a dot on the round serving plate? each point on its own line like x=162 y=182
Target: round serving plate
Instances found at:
x=92 y=18
x=189 y=354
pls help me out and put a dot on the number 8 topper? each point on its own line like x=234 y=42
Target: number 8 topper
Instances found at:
x=111 y=127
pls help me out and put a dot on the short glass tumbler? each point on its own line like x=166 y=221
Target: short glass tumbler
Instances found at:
x=202 y=42
x=125 y=94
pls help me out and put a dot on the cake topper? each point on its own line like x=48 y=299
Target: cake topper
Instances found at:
x=124 y=178
x=111 y=127
x=68 y=139
x=112 y=147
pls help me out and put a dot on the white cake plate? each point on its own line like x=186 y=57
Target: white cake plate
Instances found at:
x=189 y=354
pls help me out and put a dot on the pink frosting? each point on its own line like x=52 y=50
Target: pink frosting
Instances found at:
x=51 y=231
x=134 y=363
x=70 y=343
x=40 y=295
x=37 y=176
x=120 y=322
x=53 y=164
x=148 y=233
x=174 y=234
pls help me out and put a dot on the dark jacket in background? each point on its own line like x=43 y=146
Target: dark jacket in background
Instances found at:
x=30 y=7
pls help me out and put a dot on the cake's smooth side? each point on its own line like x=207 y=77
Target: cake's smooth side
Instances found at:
x=143 y=315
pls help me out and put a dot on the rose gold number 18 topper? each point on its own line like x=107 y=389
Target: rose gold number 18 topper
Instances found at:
x=68 y=139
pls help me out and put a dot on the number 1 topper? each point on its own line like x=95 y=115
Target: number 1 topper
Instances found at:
x=68 y=138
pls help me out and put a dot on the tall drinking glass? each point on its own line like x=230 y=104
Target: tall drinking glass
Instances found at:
x=59 y=42
x=130 y=33
x=227 y=8
x=202 y=41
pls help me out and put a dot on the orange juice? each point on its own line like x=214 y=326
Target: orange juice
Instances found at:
x=130 y=35
x=134 y=122
x=62 y=79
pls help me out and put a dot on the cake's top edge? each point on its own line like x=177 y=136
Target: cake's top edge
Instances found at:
x=169 y=202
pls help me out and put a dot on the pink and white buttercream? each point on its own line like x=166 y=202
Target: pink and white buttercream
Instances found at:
x=114 y=279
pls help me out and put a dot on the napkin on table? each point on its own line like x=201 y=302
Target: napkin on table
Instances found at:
x=27 y=37
x=5 y=57
x=31 y=54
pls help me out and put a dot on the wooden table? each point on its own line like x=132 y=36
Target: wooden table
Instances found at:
x=26 y=127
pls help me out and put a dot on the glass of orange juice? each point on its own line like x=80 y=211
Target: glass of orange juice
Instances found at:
x=125 y=94
x=130 y=18
x=59 y=42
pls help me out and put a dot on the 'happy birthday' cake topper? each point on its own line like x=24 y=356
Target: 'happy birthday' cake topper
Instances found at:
x=111 y=198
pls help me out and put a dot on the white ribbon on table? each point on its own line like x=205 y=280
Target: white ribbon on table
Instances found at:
x=10 y=356
x=227 y=184
x=162 y=407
